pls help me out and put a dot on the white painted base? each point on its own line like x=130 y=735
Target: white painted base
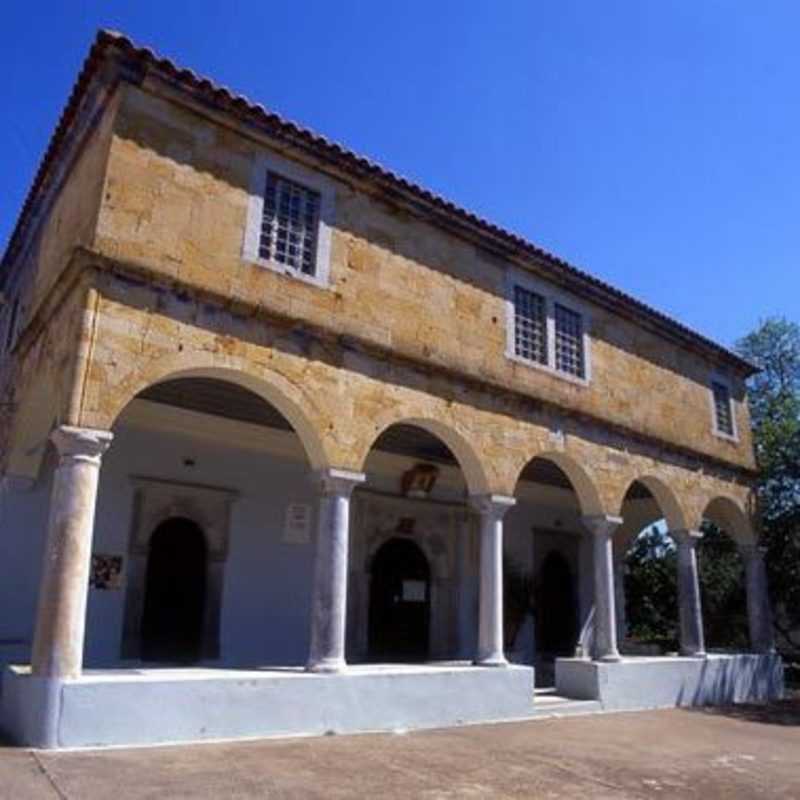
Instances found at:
x=154 y=706
x=665 y=682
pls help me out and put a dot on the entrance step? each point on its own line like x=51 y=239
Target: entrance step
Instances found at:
x=547 y=703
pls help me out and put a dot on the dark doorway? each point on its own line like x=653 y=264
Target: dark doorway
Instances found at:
x=557 y=611
x=399 y=603
x=175 y=593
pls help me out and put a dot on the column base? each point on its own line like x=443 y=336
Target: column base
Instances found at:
x=491 y=661
x=327 y=666
x=610 y=658
x=693 y=653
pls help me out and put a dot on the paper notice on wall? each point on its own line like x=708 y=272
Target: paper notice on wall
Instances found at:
x=297 y=525
x=414 y=591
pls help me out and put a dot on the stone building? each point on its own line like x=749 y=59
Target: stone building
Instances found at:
x=274 y=419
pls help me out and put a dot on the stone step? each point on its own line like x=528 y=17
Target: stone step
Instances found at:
x=547 y=703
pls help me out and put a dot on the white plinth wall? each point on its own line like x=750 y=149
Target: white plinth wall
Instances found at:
x=667 y=682
x=155 y=706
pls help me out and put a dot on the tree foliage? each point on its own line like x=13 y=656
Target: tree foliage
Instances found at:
x=651 y=596
x=722 y=590
x=775 y=408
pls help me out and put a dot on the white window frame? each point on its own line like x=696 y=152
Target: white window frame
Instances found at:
x=725 y=381
x=552 y=297
x=266 y=162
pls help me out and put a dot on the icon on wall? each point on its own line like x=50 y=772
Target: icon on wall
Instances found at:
x=106 y=572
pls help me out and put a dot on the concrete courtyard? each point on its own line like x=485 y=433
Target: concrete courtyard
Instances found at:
x=745 y=751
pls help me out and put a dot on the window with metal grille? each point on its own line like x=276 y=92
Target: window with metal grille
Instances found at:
x=569 y=341
x=289 y=224
x=530 y=325
x=723 y=412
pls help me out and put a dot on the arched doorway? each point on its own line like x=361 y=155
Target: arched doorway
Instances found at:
x=557 y=619
x=175 y=593
x=399 y=603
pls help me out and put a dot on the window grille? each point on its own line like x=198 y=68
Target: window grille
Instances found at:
x=722 y=408
x=569 y=341
x=289 y=224
x=530 y=325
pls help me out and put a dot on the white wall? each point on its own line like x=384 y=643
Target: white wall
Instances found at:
x=266 y=595
x=23 y=521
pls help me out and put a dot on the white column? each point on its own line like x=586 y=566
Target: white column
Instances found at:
x=619 y=596
x=689 y=604
x=329 y=601
x=491 y=507
x=602 y=527
x=759 y=614
x=61 y=617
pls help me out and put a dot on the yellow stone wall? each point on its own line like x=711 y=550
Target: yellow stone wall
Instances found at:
x=339 y=400
x=411 y=329
x=72 y=220
x=176 y=200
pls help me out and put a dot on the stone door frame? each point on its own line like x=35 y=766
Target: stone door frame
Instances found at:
x=156 y=501
x=437 y=530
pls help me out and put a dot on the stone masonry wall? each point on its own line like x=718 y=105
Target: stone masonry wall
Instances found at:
x=339 y=400
x=411 y=329
x=176 y=200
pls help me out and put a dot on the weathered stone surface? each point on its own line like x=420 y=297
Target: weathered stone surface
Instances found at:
x=410 y=329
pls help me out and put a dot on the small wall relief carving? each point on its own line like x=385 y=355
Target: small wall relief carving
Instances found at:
x=106 y=572
x=419 y=480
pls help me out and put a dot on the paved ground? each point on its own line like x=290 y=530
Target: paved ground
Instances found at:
x=746 y=752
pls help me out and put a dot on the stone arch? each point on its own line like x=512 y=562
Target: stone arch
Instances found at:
x=465 y=454
x=666 y=500
x=729 y=515
x=275 y=389
x=437 y=559
x=583 y=482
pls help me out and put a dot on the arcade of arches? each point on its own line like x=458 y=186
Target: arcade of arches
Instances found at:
x=241 y=542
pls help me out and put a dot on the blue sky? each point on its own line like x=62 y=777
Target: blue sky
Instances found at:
x=654 y=144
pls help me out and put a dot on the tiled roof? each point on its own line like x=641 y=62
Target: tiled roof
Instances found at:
x=142 y=59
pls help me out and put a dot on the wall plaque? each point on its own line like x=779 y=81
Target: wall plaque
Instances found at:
x=297 y=524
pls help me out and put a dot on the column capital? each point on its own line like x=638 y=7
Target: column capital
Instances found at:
x=334 y=481
x=686 y=537
x=81 y=444
x=601 y=524
x=495 y=505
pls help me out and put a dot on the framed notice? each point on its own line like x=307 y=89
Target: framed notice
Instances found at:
x=297 y=524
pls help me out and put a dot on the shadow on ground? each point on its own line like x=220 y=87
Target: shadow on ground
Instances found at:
x=779 y=712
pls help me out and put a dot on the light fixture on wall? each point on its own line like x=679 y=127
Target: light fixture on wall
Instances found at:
x=419 y=481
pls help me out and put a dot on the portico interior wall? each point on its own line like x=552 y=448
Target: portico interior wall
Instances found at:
x=267 y=588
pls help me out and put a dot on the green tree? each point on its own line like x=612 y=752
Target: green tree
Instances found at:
x=651 y=598
x=775 y=407
x=722 y=589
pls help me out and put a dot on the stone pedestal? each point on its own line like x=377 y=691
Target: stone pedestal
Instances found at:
x=490 y=623
x=759 y=614
x=689 y=605
x=61 y=617
x=602 y=527
x=329 y=602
